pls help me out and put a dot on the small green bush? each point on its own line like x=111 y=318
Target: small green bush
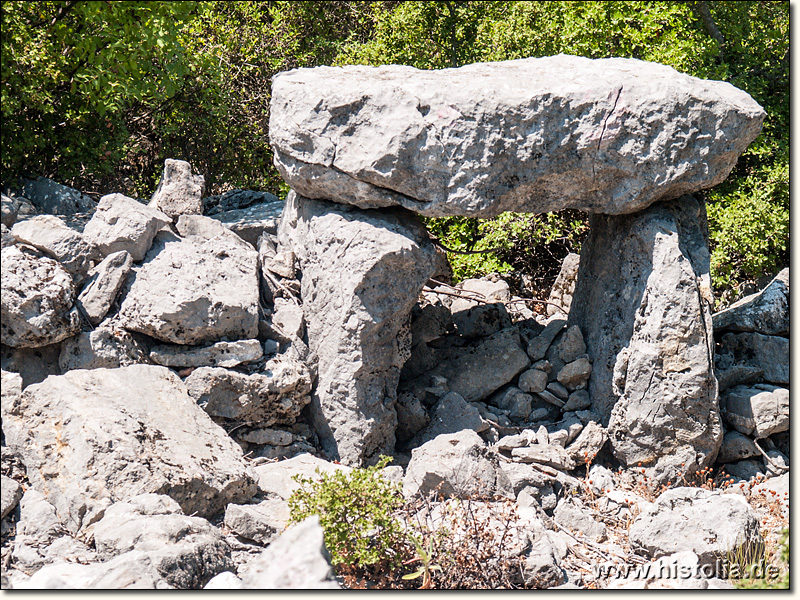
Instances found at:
x=357 y=512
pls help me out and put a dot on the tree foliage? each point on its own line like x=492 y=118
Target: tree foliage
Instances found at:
x=97 y=95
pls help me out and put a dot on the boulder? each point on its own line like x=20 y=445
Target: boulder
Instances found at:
x=55 y=239
x=564 y=285
x=552 y=456
x=588 y=443
x=758 y=410
x=37 y=300
x=88 y=438
x=250 y=222
x=477 y=370
x=266 y=435
x=735 y=447
x=456 y=465
x=574 y=375
x=122 y=223
x=298 y=559
x=769 y=353
x=572 y=514
x=713 y=525
x=450 y=415
x=33 y=365
x=195 y=291
x=745 y=470
x=276 y=394
x=235 y=199
x=482 y=320
x=186 y=551
x=278 y=478
x=643 y=302
x=488 y=289
x=411 y=417
x=103 y=284
x=10 y=494
x=106 y=347
x=765 y=312
x=221 y=354
x=533 y=380
x=608 y=136
x=362 y=273
x=6 y=239
x=179 y=192
x=55 y=199
x=10 y=208
x=262 y=522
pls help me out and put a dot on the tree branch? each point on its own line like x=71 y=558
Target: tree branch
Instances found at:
x=701 y=9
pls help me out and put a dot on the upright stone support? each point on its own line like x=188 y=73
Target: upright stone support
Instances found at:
x=643 y=301
x=362 y=271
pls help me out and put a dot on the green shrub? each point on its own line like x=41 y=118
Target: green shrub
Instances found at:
x=357 y=512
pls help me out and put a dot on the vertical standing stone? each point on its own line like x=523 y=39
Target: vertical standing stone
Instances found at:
x=643 y=300
x=362 y=271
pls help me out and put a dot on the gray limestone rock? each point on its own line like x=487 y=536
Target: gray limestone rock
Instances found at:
x=362 y=273
x=179 y=192
x=251 y=222
x=482 y=320
x=276 y=394
x=574 y=375
x=538 y=346
x=102 y=285
x=273 y=437
x=55 y=239
x=186 y=551
x=532 y=380
x=770 y=353
x=758 y=410
x=745 y=470
x=766 y=312
x=411 y=417
x=588 y=443
x=450 y=415
x=122 y=223
x=236 y=199
x=571 y=346
x=10 y=208
x=642 y=300
x=429 y=322
x=221 y=354
x=289 y=318
x=572 y=514
x=298 y=559
x=106 y=347
x=552 y=456
x=578 y=400
x=564 y=285
x=610 y=135
x=6 y=239
x=55 y=199
x=10 y=494
x=525 y=476
x=195 y=291
x=457 y=465
x=88 y=438
x=262 y=522
x=37 y=300
x=34 y=365
x=713 y=525
x=278 y=478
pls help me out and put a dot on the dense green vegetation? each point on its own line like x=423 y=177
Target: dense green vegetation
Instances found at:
x=98 y=94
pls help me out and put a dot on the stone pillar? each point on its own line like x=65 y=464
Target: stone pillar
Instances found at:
x=643 y=301
x=362 y=271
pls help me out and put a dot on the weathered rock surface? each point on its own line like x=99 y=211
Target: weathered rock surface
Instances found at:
x=34 y=365
x=711 y=524
x=572 y=514
x=759 y=410
x=451 y=414
x=179 y=192
x=769 y=353
x=236 y=199
x=642 y=300
x=37 y=300
x=106 y=347
x=362 y=273
x=564 y=285
x=298 y=559
x=133 y=570
x=88 y=438
x=472 y=141
x=250 y=222
x=102 y=285
x=277 y=394
x=10 y=494
x=186 y=551
x=195 y=292
x=122 y=223
x=262 y=522
x=55 y=199
x=55 y=239
x=221 y=354
x=766 y=312
x=457 y=465
x=277 y=478
x=735 y=447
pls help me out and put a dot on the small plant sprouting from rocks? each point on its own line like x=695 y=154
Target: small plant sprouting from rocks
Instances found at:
x=357 y=512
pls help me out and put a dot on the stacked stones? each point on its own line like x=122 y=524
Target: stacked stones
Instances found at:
x=621 y=139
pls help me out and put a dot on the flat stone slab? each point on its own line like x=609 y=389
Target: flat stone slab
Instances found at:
x=531 y=135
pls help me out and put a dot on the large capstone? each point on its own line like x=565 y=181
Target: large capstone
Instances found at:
x=362 y=273
x=643 y=301
x=532 y=135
